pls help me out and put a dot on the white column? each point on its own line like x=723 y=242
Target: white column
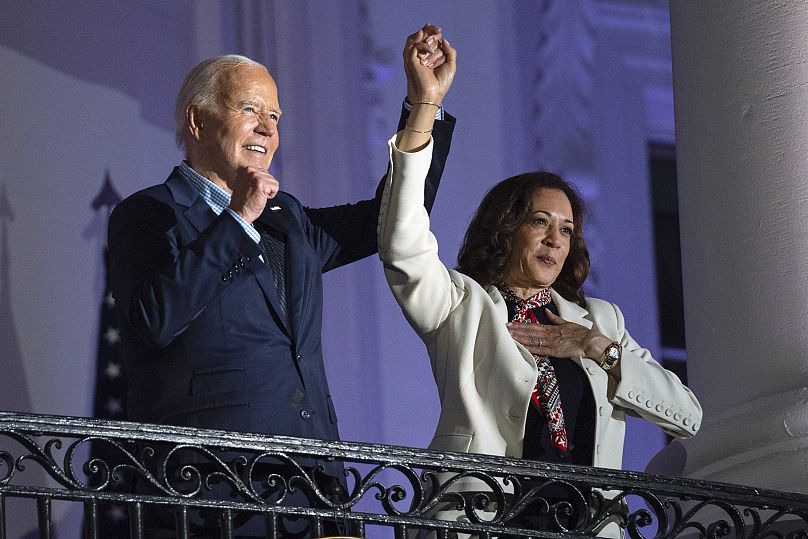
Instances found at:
x=740 y=72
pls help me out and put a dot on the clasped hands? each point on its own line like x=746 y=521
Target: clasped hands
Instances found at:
x=430 y=64
x=559 y=338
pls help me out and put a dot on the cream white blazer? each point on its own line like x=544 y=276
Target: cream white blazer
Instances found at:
x=484 y=377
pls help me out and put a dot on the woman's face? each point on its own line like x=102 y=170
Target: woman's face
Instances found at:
x=541 y=245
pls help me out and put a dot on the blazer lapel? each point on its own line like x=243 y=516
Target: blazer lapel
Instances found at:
x=499 y=303
x=571 y=312
x=502 y=314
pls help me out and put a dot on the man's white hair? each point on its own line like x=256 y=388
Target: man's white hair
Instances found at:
x=201 y=88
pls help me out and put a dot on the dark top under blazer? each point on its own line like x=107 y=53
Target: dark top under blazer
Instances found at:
x=203 y=343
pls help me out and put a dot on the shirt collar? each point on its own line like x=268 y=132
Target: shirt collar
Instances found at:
x=216 y=197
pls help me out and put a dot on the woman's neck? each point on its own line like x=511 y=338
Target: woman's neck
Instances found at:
x=522 y=292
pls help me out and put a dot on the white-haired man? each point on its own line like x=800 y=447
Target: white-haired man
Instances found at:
x=217 y=273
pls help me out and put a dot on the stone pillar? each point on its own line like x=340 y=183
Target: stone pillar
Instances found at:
x=740 y=74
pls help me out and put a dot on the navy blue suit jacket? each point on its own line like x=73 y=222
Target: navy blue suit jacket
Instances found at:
x=205 y=344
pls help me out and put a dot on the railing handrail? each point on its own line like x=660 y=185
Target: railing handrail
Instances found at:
x=431 y=479
x=370 y=452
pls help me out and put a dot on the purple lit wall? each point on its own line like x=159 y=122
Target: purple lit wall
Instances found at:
x=574 y=86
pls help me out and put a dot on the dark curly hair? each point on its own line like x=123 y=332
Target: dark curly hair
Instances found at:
x=489 y=237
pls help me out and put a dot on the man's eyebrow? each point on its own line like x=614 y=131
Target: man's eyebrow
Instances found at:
x=254 y=102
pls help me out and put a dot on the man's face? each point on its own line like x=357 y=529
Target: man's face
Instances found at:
x=242 y=128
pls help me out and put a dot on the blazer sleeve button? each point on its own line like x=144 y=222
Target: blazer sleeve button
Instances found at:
x=305 y=414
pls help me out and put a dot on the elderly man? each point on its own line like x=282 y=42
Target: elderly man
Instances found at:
x=217 y=273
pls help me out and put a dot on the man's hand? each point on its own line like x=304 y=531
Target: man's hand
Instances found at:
x=430 y=64
x=251 y=190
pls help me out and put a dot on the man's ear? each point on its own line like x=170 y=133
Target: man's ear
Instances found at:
x=194 y=121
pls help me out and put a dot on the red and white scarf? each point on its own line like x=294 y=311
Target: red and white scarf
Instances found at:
x=546 y=395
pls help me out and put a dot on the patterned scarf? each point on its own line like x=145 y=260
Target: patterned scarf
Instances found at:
x=546 y=396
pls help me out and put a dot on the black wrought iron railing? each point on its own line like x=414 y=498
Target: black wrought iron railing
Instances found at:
x=173 y=478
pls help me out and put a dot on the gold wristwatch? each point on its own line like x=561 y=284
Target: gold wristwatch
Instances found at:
x=611 y=356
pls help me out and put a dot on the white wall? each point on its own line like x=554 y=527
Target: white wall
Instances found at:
x=60 y=135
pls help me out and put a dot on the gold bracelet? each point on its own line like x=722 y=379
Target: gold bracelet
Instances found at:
x=407 y=127
x=426 y=103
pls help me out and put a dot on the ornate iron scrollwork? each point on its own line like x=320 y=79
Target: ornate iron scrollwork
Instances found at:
x=410 y=489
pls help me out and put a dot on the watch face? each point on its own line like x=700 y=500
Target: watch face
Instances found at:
x=613 y=353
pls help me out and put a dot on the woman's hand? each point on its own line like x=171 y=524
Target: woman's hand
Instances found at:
x=430 y=64
x=560 y=338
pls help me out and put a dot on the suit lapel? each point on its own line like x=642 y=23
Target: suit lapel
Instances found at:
x=198 y=213
x=200 y=216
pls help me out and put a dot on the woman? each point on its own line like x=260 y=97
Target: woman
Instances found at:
x=525 y=365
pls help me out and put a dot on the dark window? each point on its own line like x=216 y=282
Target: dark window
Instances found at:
x=664 y=193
